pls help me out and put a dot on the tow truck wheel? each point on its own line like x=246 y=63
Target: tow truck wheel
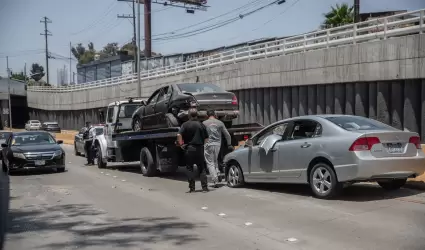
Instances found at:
x=147 y=164
x=171 y=120
x=100 y=162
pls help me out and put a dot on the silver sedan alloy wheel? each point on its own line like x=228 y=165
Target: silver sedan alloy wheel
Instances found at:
x=322 y=180
x=234 y=176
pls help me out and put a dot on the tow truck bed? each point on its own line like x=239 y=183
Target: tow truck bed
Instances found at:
x=156 y=149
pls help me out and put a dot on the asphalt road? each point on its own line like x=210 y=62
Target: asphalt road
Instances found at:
x=88 y=208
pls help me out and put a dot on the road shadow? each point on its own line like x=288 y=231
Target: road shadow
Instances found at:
x=82 y=226
x=360 y=192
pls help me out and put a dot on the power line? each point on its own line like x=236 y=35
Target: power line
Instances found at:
x=97 y=21
x=217 y=25
x=255 y=2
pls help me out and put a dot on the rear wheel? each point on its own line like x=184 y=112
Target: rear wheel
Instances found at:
x=324 y=182
x=60 y=170
x=137 y=124
x=392 y=184
x=235 y=176
x=147 y=164
x=171 y=120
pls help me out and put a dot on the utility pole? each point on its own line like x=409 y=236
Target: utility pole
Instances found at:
x=73 y=77
x=70 y=62
x=148 y=33
x=134 y=41
x=139 y=84
x=356 y=11
x=8 y=92
x=45 y=34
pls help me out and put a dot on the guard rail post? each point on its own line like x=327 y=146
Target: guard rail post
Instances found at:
x=355 y=33
x=283 y=46
x=305 y=41
x=327 y=39
x=385 y=27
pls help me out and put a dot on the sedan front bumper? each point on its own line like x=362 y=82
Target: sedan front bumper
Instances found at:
x=21 y=164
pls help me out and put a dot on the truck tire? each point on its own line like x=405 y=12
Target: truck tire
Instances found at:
x=147 y=164
x=100 y=162
x=171 y=120
x=76 y=150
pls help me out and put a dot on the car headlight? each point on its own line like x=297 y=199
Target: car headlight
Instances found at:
x=19 y=155
x=58 y=153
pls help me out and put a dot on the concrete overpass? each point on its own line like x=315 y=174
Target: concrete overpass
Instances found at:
x=378 y=74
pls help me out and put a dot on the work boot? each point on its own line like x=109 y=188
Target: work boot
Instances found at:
x=205 y=190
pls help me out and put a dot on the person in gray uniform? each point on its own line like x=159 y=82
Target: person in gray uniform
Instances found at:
x=216 y=129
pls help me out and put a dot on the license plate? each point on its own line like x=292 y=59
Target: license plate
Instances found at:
x=40 y=163
x=395 y=148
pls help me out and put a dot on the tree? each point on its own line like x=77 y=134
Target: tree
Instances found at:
x=37 y=72
x=19 y=76
x=110 y=49
x=339 y=15
x=129 y=47
x=82 y=54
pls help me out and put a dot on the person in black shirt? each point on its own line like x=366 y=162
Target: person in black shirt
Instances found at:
x=192 y=137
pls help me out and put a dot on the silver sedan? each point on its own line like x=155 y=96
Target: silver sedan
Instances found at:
x=327 y=151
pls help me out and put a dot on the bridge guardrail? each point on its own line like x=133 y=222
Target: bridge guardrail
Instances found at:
x=376 y=29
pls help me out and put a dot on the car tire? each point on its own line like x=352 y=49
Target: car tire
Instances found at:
x=171 y=120
x=324 y=182
x=392 y=184
x=76 y=150
x=60 y=170
x=100 y=163
x=235 y=176
x=137 y=121
x=147 y=164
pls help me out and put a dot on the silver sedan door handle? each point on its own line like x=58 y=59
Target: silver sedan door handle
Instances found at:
x=305 y=145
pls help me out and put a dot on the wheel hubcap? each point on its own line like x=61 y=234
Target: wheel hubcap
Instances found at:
x=137 y=125
x=233 y=176
x=322 y=181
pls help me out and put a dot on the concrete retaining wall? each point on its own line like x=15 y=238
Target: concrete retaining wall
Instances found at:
x=398 y=103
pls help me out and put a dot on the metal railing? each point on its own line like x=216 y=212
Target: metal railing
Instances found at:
x=376 y=29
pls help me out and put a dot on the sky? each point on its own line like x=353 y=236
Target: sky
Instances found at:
x=84 y=21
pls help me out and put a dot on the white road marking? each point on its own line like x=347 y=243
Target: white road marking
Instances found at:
x=248 y=223
x=292 y=239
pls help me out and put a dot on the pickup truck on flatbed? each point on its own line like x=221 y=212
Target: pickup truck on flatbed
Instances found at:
x=155 y=149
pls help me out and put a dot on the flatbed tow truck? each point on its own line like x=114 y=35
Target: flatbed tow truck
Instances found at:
x=155 y=149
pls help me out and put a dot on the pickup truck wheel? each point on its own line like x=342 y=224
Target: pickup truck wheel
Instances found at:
x=393 y=184
x=137 y=124
x=100 y=162
x=147 y=164
x=171 y=120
